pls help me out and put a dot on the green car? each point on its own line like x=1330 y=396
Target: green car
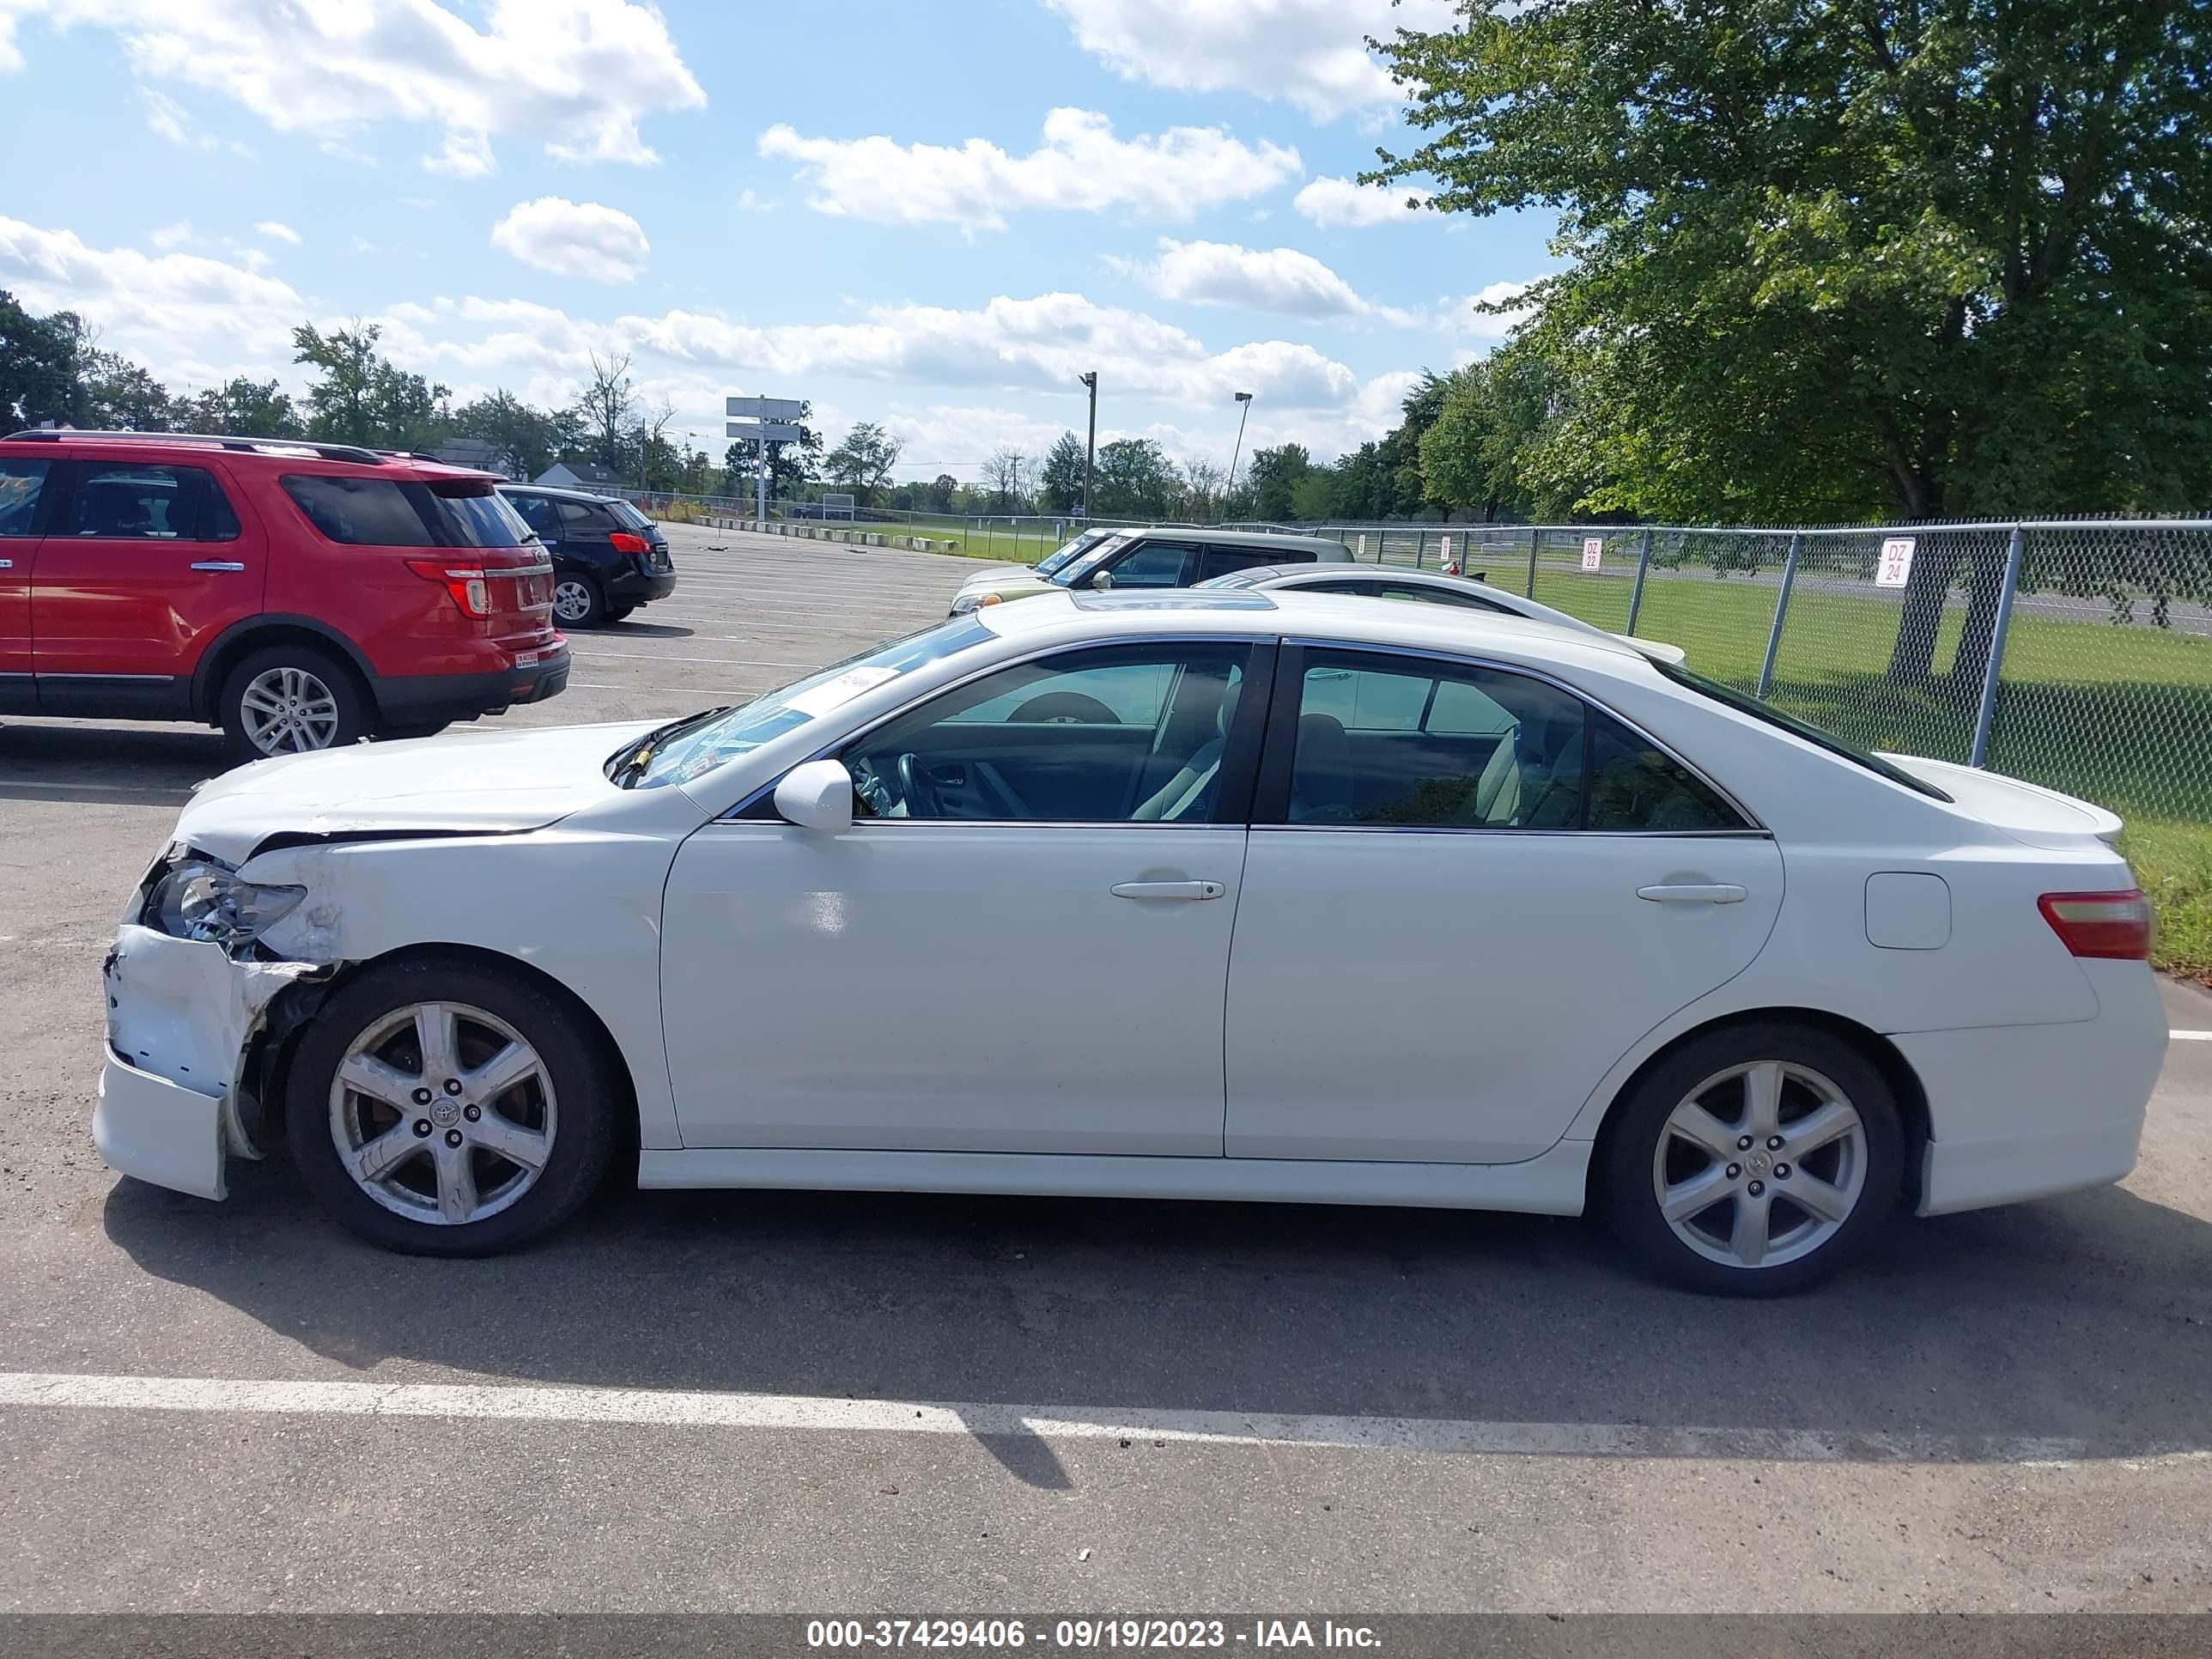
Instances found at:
x=1149 y=555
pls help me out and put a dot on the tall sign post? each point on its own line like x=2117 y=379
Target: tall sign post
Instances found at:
x=766 y=421
x=1090 y=443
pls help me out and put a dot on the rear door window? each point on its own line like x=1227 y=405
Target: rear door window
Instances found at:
x=130 y=501
x=1152 y=564
x=540 y=513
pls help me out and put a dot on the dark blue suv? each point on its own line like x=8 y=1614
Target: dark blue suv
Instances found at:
x=608 y=557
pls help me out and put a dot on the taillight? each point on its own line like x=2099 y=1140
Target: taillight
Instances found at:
x=625 y=543
x=2113 y=925
x=465 y=583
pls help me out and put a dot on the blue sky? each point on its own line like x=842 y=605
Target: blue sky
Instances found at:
x=931 y=215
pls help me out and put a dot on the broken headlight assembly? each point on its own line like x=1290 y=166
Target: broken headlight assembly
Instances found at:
x=194 y=898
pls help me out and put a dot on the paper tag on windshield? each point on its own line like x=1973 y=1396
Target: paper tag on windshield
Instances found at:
x=1895 y=569
x=843 y=688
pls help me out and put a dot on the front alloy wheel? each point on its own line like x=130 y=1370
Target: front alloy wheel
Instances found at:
x=443 y=1113
x=447 y=1107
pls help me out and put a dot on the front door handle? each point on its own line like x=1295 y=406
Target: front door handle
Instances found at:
x=217 y=564
x=1716 y=892
x=1168 y=889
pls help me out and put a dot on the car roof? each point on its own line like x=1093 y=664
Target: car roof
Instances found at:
x=1354 y=619
x=559 y=492
x=1218 y=537
x=153 y=447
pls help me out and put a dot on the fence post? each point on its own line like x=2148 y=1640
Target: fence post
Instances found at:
x=1535 y=541
x=2013 y=551
x=1636 y=593
x=1420 y=548
x=1781 y=606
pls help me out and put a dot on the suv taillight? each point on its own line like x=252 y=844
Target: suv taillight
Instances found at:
x=2111 y=925
x=624 y=542
x=465 y=583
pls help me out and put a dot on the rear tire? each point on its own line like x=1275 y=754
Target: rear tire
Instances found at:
x=1756 y=1160
x=617 y=612
x=289 y=700
x=579 y=602
x=485 y=1120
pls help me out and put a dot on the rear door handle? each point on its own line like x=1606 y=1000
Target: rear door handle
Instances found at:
x=1718 y=893
x=1168 y=889
x=217 y=564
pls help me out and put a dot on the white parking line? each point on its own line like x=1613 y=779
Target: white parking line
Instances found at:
x=2190 y=1036
x=657 y=1408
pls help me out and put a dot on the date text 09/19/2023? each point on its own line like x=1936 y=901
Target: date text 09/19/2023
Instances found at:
x=1006 y=1635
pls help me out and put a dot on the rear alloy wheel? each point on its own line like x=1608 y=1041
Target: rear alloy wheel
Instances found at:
x=444 y=1109
x=578 y=602
x=290 y=700
x=1756 y=1161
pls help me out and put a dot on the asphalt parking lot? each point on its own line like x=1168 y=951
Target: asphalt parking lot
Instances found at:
x=1143 y=1407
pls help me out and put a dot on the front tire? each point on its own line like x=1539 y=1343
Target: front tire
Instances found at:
x=1755 y=1161
x=291 y=700
x=444 y=1109
x=578 y=602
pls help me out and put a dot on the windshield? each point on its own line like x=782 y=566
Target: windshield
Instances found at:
x=1744 y=704
x=1240 y=579
x=1087 y=561
x=692 y=748
x=1066 y=551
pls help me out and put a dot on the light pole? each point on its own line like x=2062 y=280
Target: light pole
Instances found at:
x=1243 y=411
x=1090 y=442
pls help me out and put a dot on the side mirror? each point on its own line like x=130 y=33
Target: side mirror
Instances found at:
x=818 y=796
x=1102 y=580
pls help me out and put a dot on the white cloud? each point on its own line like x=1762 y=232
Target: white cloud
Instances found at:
x=574 y=74
x=574 y=239
x=1336 y=202
x=1263 y=279
x=278 y=231
x=748 y=201
x=192 y=319
x=1461 y=323
x=175 y=235
x=1312 y=53
x=1079 y=165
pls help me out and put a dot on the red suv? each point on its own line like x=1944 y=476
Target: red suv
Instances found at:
x=298 y=595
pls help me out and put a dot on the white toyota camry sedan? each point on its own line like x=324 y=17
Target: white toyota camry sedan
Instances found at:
x=1305 y=898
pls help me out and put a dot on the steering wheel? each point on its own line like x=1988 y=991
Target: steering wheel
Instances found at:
x=1065 y=709
x=918 y=792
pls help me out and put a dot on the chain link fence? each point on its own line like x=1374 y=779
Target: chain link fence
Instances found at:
x=2072 y=653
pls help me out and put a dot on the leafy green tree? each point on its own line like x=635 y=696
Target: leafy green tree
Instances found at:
x=525 y=439
x=1272 y=476
x=255 y=408
x=1134 y=480
x=358 y=397
x=37 y=365
x=1853 y=257
x=1060 y=480
x=863 y=463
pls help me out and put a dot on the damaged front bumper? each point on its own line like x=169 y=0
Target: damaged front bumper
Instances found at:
x=182 y=1015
